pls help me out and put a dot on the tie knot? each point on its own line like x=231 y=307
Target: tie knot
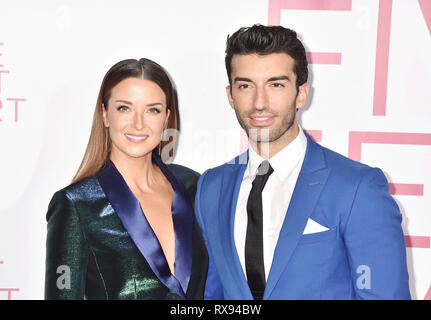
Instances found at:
x=263 y=173
x=265 y=169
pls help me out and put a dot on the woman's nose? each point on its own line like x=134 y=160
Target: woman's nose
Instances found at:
x=139 y=121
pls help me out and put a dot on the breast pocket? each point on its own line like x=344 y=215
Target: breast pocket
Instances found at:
x=319 y=236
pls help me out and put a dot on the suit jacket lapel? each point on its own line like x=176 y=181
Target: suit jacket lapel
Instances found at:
x=182 y=216
x=130 y=213
x=309 y=185
x=231 y=183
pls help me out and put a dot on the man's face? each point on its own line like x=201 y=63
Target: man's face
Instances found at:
x=264 y=96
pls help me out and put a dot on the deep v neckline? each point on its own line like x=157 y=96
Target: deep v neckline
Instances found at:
x=142 y=199
x=129 y=210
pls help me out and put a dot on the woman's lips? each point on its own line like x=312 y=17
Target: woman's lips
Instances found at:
x=262 y=120
x=136 y=138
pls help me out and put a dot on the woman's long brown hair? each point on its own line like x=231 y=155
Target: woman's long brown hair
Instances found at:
x=99 y=144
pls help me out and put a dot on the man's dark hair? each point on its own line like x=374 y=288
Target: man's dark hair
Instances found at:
x=263 y=40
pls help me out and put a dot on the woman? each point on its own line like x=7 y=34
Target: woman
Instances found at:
x=125 y=227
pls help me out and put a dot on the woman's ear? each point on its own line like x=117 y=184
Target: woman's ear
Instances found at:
x=105 y=116
x=168 y=113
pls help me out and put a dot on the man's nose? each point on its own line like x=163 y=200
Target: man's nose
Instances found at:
x=260 y=99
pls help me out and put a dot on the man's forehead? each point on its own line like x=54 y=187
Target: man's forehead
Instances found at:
x=262 y=66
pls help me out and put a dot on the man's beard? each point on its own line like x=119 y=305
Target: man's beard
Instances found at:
x=259 y=135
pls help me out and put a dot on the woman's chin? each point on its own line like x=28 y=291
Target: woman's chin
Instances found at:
x=136 y=152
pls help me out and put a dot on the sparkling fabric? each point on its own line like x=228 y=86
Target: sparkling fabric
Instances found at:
x=107 y=256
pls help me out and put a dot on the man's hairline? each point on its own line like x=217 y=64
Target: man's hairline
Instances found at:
x=262 y=54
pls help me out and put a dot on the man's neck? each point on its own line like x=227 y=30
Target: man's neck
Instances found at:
x=269 y=149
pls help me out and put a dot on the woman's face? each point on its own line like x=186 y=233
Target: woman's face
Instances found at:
x=136 y=116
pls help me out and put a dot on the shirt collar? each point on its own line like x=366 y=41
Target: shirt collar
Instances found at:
x=284 y=161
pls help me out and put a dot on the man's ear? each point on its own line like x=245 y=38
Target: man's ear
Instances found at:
x=301 y=98
x=105 y=116
x=229 y=96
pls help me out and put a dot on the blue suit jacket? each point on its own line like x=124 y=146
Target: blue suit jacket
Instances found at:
x=361 y=256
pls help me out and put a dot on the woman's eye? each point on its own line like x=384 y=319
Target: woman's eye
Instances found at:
x=154 y=110
x=123 y=108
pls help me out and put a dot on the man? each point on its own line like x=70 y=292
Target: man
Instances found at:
x=294 y=220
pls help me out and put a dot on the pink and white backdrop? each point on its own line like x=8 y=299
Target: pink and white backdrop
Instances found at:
x=370 y=99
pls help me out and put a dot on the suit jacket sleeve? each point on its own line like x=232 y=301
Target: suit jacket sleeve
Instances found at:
x=375 y=242
x=66 y=250
x=213 y=286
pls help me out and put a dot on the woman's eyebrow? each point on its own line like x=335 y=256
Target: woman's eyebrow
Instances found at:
x=123 y=101
x=154 y=104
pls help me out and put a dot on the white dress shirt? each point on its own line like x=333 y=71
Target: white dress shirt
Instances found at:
x=276 y=196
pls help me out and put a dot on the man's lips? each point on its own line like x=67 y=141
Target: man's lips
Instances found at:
x=136 y=138
x=262 y=120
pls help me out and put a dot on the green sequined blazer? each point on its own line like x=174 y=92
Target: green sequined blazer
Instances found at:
x=100 y=246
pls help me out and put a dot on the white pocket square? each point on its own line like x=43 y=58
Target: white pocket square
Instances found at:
x=313 y=227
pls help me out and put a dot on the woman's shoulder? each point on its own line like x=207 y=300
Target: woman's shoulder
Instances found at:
x=81 y=186
x=184 y=173
x=76 y=191
x=187 y=176
x=81 y=191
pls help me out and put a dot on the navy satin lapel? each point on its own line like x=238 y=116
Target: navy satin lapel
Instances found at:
x=182 y=215
x=133 y=219
x=232 y=179
x=310 y=183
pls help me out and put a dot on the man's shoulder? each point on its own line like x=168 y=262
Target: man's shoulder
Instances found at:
x=232 y=165
x=344 y=167
x=337 y=159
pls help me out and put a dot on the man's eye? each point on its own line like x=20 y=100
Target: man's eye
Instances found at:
x=243 y=86
x=277 y=85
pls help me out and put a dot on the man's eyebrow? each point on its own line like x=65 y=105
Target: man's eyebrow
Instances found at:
x=278 y=78
x=241 y=79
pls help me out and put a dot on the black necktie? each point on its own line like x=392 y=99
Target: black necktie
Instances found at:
x=254 y=239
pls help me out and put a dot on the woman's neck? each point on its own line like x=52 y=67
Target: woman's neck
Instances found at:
x=140 y=173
